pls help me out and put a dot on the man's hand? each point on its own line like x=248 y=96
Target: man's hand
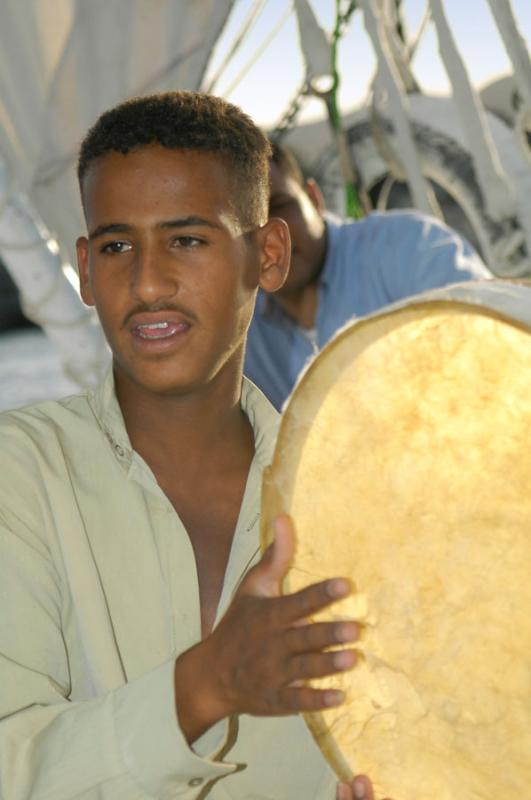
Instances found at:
x=264 y=649
x=359 y=789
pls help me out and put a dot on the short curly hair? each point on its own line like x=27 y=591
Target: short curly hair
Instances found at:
x=189 y=121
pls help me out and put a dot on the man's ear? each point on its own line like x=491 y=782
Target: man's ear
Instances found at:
x=83 y=269
x=313 y=190
x=275 y=246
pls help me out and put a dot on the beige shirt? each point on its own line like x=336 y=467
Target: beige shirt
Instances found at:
x=98 y=594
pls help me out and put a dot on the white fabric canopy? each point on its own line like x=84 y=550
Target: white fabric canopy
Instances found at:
x=63 y=62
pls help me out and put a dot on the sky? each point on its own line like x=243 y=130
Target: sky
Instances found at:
x=264 y=89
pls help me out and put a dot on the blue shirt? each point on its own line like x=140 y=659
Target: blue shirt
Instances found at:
x=384 y=257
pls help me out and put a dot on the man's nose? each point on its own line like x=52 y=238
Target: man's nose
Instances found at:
x=154 y=274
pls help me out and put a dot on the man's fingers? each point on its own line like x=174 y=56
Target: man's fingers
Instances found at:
x=265 y=580
x=358 y=789
x=270 y=647
x=343 y=791
x=318 y=635
x=317 y=665
x=309 y=601
x=297 y=699
x=301 y=699
x=362 y=788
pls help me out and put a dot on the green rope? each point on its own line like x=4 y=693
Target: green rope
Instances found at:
x=354 y=207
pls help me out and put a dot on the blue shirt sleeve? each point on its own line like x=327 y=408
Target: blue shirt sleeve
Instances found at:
x=418 y=253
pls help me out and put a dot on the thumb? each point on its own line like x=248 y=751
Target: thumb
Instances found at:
x=265 y=579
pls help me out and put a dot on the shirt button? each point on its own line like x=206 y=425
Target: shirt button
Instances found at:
x=195 y=781
x=120 y=451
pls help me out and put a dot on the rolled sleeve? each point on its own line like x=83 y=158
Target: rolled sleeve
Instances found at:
x=154 y=750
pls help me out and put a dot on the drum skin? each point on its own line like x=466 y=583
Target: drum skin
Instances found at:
x=403 y=457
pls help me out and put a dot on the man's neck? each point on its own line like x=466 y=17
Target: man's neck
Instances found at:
x=301 y=305
x=202 y=422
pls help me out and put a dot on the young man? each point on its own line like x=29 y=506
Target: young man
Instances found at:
x=341 y=270
x=141 y=653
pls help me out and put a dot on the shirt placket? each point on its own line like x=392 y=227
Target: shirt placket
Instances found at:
x=177 y=562
x=245 y=549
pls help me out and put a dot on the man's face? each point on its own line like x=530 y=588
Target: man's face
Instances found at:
x=167 y=266
x=300 y=207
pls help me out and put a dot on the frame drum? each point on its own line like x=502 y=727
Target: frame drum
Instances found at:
x=402 y=457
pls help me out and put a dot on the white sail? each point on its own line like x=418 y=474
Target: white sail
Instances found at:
x=62 y=62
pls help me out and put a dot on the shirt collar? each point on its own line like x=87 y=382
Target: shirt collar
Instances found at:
x=333 y=227
x=107 y=410
x=264 y=420
x=263 y=417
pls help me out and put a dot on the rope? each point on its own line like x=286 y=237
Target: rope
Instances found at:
x=423 y=196
x=248 y=23
x=415 y=40
x=395 y=33
x=259 y=51
x=356 y=201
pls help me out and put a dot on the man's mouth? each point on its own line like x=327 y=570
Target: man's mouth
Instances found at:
x=159 y=330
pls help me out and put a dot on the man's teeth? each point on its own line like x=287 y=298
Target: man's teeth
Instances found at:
x=156 y=330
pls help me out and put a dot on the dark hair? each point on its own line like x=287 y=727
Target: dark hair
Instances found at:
x=189 y=121
x=286 y=162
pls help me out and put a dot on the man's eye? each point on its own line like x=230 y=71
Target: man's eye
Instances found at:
x=187 y=241
x=116 y=247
